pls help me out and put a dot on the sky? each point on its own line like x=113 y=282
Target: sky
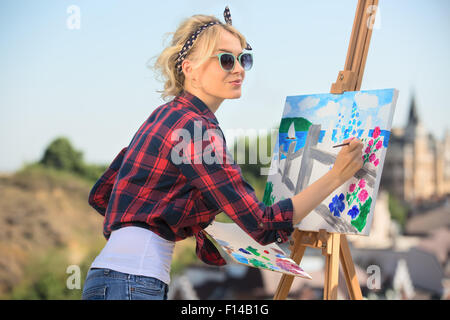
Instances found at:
x=93 y=85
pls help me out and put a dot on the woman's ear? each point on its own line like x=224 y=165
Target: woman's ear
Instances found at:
x=186 y=66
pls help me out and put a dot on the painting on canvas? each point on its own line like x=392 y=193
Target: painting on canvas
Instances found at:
x=310 y=126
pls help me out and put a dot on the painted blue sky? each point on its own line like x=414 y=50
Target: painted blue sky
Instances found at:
x=93 y=86
x=328 y=109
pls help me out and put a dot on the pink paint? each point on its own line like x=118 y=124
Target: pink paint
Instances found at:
x=362 y=196
x=379 y=144
x=362 y=183
x=376 y=132
x=372 y=157
x=352 y=187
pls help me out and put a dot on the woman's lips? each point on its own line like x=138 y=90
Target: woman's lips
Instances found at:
x=236 y=83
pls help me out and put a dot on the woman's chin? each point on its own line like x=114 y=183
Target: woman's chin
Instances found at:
x=235 y=94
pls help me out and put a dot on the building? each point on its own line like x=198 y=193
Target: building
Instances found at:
x=417 y=165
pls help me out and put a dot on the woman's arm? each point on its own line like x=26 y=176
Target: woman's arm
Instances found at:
x=348 y=162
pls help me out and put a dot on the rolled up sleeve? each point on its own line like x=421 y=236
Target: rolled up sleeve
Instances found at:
x=208 y=166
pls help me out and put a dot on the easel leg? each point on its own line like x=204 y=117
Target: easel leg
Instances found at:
x=331 y=267
x=354 y=290
x=286 y=280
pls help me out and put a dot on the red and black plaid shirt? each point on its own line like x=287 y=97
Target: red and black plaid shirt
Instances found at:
x=172 y=187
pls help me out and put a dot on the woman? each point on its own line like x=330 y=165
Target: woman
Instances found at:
x=162 y=189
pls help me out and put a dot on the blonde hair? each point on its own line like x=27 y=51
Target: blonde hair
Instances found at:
x=201 y=50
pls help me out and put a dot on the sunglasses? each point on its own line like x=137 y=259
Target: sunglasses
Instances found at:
x=227 y=60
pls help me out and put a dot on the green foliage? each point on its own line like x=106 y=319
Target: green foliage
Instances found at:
x=45 y=279
x=60 y=157
x=184 y=257
x=300 y=124
x=398 y=211
x=252 y=171
x=46 y=276
x=360 y=222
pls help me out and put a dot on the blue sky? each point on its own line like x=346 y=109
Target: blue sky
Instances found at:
x=92 y=84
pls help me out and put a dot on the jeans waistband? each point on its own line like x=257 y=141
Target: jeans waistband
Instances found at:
x=126 y=276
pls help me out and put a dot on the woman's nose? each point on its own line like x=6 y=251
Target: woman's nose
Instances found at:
x=238 y=68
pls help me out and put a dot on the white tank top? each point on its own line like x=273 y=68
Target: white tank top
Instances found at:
x=137 y=251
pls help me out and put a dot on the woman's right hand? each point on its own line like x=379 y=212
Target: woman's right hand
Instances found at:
x=349 y=160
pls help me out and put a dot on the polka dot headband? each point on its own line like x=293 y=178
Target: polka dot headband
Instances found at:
x=189 y=43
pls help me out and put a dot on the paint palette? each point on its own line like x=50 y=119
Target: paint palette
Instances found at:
x=245 y=250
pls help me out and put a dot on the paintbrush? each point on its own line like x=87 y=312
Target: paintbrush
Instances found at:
x=341 y=145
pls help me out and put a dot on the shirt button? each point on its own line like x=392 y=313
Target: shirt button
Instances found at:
x=261 y=225
x=279 y=240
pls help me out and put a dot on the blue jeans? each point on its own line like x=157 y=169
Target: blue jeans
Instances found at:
x=107 y=284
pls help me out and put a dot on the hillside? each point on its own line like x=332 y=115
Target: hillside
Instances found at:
x=41 y=211
x=46 y=224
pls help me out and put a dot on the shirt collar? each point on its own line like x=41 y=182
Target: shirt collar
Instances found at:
x=197 y=105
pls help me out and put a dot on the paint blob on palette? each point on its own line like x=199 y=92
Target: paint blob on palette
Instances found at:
x=245 y=250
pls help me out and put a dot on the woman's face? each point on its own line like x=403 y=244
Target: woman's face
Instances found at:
x=212 y=84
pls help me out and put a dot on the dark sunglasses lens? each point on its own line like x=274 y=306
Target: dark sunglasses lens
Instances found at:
x=247 y=61
x=227 y=61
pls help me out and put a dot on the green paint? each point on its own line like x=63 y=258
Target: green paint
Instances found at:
x=360 y=222
x=265 y=258
x=300 y=124
x=258 y=263
x=268 y=198
x=253 y=250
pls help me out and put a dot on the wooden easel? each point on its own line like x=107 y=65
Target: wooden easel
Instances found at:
x=334 y=246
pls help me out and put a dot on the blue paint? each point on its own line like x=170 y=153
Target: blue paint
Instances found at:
x=240 y=258
x=300 y=141
x=346 y=134
x=244 y=251
x=360 y=132
x=385 y=134
x=321 y=135
x=333 y=136
x=271 y=266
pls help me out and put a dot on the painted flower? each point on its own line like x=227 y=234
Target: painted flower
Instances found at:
x=371 y=142
x=362 y=183
x=367 y=150
x=353 y=212
x=376 y=132
x=372 y=157
x=352 y=187
x=337 y=205
x=362 y=196
x=379 y=145
x=376 y=162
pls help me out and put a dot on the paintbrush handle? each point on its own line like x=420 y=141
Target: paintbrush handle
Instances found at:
x=341 y=145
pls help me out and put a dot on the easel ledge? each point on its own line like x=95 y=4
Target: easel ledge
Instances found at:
x=335 y=246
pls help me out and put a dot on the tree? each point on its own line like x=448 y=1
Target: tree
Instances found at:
x=61 y=155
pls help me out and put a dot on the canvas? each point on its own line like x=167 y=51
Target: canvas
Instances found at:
x=245 y=250
x=310 y=126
